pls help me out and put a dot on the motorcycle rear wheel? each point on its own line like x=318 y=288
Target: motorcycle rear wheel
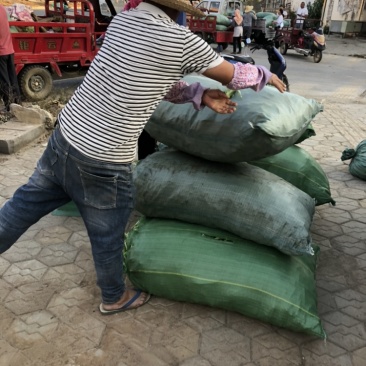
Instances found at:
x=286 y=82
x=317 y=55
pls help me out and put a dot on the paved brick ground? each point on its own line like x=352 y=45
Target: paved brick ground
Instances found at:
x=48 y=296
x=336 y=45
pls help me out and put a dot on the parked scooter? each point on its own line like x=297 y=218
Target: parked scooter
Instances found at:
x=275 y=59
x=237 y=58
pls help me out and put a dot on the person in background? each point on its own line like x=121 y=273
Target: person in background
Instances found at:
x=278 y=23
x=248 y=17
x=301 y=15
x=9 y=88
x=237 y=25
x=89 y=155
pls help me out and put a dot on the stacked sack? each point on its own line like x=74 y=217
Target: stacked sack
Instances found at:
x=222 y=21
x=271 y=17
x=227 y=218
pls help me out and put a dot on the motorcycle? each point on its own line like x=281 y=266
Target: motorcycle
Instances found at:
x=309 y=41
x=233 y=59
x=312 y=44
x=277 y=62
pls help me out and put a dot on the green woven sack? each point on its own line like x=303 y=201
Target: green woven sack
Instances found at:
x=263 y=14
x=357 y=166
x=220 y=27
x=263 y=124
x=269 y=17
x=220 y=19
x=186 y=262
x=240 y=198
x=298 y=167
x=309 y=132
x=69 y=209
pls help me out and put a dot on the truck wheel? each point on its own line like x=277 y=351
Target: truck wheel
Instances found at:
x=318 y=55
x=283 y=48
x=35 y=82
x=224 y=45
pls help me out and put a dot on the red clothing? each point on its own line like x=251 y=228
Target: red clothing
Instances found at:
x=6 y=44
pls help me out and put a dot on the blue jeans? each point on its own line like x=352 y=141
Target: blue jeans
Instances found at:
x=103 y=193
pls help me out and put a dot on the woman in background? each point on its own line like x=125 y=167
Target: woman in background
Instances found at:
x=237 y=24
x=278 y=23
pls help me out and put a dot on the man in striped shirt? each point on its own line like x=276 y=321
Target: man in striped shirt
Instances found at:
x=88 y=157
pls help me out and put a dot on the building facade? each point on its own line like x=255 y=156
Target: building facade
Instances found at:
x=347 y=17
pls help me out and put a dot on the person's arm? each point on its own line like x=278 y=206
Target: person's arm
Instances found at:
x=242 y=76
x=238 y=76
x=181 y=92
x=195 y=93
x=231 y=26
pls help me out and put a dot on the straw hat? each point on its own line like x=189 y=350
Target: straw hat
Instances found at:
x=181 y=5
x=248 y=8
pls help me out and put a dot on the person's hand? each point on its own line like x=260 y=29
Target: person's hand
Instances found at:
x=218 y=101
x=277 y=83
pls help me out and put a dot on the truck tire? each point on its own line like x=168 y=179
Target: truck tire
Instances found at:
x=35 y=82
x=283 y=48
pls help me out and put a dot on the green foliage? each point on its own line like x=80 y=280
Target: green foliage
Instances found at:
x=315 y=9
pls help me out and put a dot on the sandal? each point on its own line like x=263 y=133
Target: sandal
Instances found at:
x=126 y=306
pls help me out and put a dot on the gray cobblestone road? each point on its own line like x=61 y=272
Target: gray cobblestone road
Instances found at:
x=49 y=299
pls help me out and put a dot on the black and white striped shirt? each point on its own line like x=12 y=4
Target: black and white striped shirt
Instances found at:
x=143 y=55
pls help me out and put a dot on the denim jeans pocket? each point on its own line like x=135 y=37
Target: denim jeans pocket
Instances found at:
x=99 y=191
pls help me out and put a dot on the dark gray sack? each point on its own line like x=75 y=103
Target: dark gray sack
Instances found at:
x=239 y=198
x=264 y=124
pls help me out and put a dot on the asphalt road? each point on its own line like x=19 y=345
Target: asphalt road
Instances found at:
x=332 y=77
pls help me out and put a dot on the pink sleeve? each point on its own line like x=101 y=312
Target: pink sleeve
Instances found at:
x=249 y=76
x=181 y=92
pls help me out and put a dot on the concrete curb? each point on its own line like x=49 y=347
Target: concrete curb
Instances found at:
x=15 y=135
